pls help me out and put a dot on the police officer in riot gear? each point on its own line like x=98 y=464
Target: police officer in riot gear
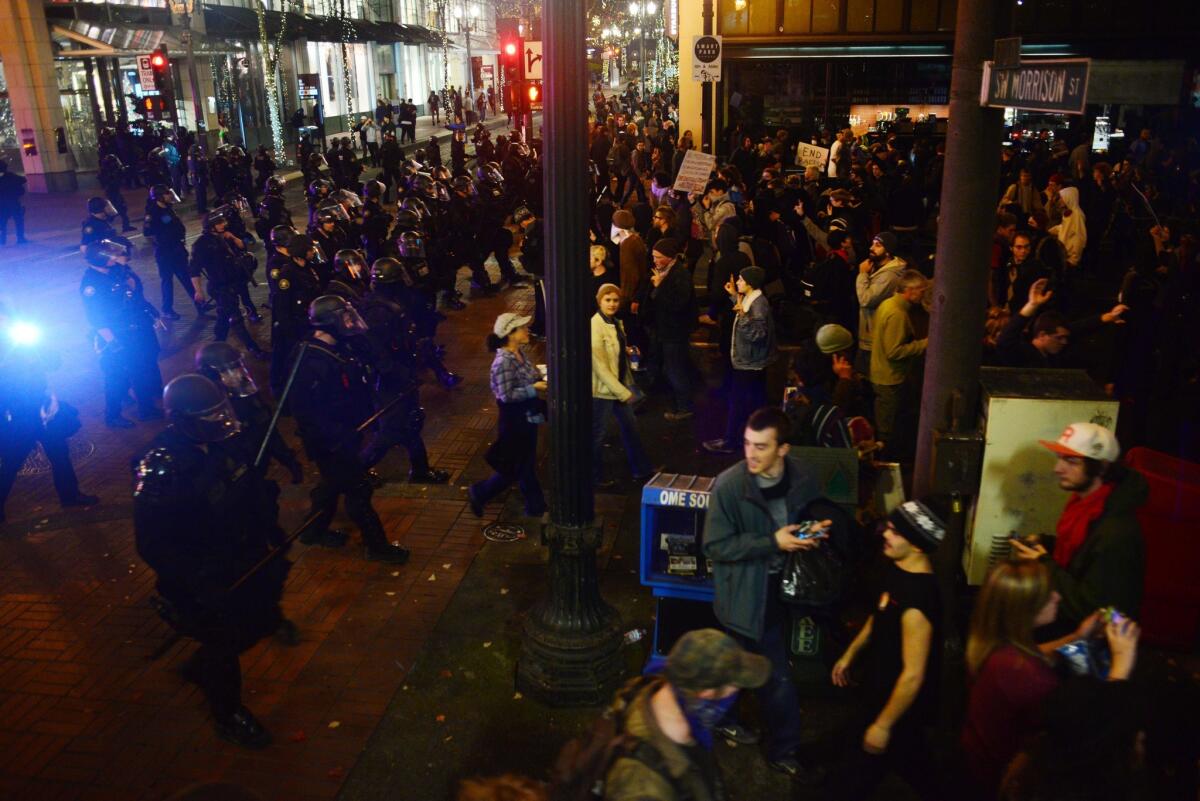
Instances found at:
x=376 y=223
x=463 y=217
x=277 y=256
x=224 y=365
x=98 y=225
x=331 y=397
x=234 y=206
x=31 y=414
x=317 y=193
x=272 y=211
x=391 y=336
x=202 y=521
x=218 y=256
x=110 y=176
x=123 y=324
x=163 y=227
x=197 y=164
x=494 y=237
x=326 y=230
x=297 y=284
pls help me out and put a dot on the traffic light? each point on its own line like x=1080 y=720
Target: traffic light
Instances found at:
x=161 y=65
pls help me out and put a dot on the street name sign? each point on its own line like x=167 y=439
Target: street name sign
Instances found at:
x=1058 y=86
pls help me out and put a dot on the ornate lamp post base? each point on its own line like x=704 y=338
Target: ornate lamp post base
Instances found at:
x=571 y=648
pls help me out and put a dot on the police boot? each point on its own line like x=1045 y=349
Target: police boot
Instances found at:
x=448 y=379
x=326 y=538
x=242 y=728
x=380 y=550
x=451 y=300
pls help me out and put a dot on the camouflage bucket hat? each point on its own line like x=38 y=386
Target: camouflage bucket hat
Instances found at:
x=708 y=658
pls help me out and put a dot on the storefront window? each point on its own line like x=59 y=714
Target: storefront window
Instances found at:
x=762 y=16
x=735 y=18
x=860 y=15
x=825 y=16
x=797 y=16
x=75 y=94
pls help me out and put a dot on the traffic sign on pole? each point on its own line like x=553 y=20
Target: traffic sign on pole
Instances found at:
x=706 y=59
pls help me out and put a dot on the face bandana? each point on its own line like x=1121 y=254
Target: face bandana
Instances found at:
x=703 y=714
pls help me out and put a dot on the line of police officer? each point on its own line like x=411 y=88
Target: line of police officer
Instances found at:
x=348 y=346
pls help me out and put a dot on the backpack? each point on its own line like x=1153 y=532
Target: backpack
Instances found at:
x=582 y=766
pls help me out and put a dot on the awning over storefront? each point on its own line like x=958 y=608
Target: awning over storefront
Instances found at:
x=229 y=22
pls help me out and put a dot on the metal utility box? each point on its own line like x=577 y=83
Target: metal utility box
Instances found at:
x=673 y=563
x=1018 y=493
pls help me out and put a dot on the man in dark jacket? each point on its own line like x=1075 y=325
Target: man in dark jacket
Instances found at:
x=748 y=533
x=1098 y=557
x=673 y=311
x=1051 y=331
x=11 y=188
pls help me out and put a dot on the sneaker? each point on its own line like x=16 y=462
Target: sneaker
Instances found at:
x=803 y=774
x=675 y=417
x=429 y=476
x=737 y=733
x=717 y=446
x=242 y=728
x=327 y=538
x=169 y=315
x=389 y=552
x=118 y=422
x=81 y=499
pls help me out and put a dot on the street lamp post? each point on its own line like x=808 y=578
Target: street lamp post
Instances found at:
x=184 y=8
x=642 y=11
x=571 y=648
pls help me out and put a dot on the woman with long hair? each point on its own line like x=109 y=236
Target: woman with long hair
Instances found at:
x=1011 y=675
x=517 y=384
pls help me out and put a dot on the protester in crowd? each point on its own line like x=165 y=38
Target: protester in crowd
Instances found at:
x=632 y=260
x=749 y=530
x=1051 y=332
x=673 y=313
x=1072 y=230
x=904 y=636
x=675 y=717
x=878 y=275
x=614 y=390
x=516 y=384
x=893 y=353
x=752 y=349
x=1011 y=676
x=1022 y=198
x=1098 y=556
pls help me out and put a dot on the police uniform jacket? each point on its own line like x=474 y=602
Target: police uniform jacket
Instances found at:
x=165 y=227
x=390 y=333
x=114 y=300
x=202 y=518
x=95 y=229
x=296 y=286
x=330 y=397
x=215 y=257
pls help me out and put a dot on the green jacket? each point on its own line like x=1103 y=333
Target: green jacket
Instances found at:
x=739 y=537
x=895 y=343
x=1108 y=568
x=630 y=779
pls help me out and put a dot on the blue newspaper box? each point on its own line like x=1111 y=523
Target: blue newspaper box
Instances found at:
x=672 y=555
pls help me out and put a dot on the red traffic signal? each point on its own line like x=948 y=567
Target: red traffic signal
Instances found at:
x=535 y=92
x=158 y=60
x=511 y=49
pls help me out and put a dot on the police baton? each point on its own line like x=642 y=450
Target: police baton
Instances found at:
x=303 y=527
x=287 y=388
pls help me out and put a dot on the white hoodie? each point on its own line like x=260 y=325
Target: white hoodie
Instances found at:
x=1072 y=231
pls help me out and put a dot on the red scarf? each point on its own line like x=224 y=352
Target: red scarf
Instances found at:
x=1077 y=518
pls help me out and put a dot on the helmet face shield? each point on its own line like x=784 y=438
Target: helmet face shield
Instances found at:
x=114 y=251
x=350 y=322
x=238 y=381
x=335 y=210
x=108 y=210
x=216 y=424
x=411 y=245
x=169 y=197
x=316 y=256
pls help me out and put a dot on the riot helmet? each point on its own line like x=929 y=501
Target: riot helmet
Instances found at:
x=223 y=364
x=101 y=205
x=281 y=234
x=235 y=200
x=387 y=271
x=336 y=316
x=416 y=206
x=161 y=193
x=103 y=252
x=320 y=187
x=274 y=185
x=410 y=245
x=218 y=216
x=350 y=201
x=111 y=162
x=373 y=190
x=348 y=261
x=488 y=174
x=332 y=212
x=200 y=409
x=301 y=246
x=407 y=220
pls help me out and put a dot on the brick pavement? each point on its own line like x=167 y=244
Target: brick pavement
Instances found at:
x=84 y=712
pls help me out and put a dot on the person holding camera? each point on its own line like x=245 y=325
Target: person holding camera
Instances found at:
x=753 y=523
x=1097 y=558
x=1011 y=676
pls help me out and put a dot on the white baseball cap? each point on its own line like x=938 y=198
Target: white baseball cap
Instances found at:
x=1088 y=440
x=509 y=322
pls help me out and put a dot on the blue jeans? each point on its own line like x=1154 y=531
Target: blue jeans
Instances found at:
x=639 y=463
x=676 y=360
x=777 y=699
